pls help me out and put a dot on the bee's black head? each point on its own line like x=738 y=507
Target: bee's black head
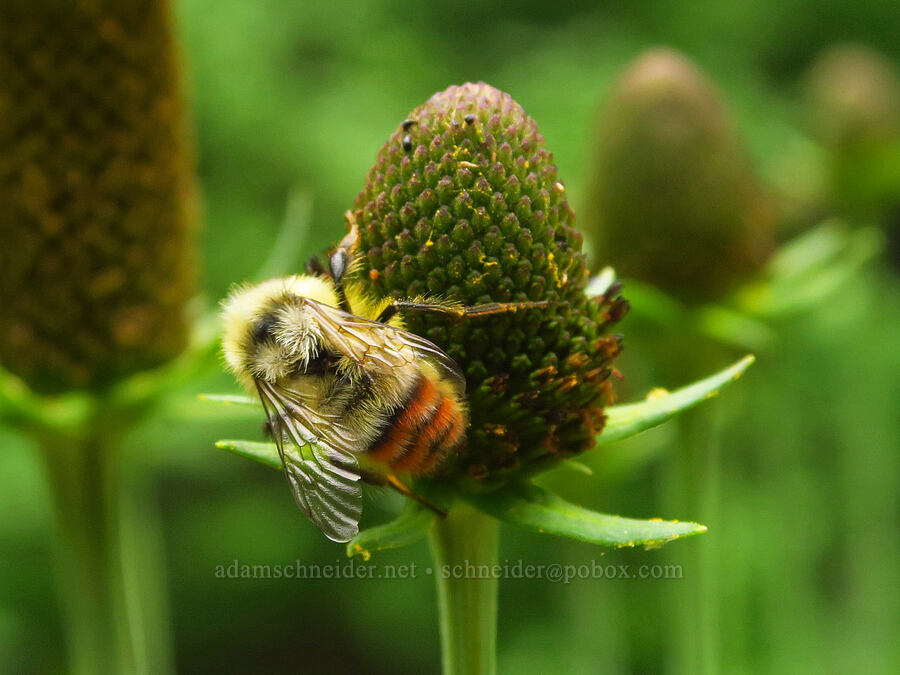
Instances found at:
x=264 y=329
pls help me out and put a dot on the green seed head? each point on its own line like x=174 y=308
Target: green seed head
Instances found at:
x=464 y=204
x=674 y=201
x=96 y=266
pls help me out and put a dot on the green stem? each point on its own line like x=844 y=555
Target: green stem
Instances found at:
x=464 y=547
x=84 y=479
x=693 y=488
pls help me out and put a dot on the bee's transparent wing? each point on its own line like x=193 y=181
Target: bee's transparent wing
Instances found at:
x=318 y=460
x=380 y=345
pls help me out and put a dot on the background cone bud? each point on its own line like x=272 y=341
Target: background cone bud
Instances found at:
x=853 y=94
x=95 y=267
x=464 y=203
x=674 y=201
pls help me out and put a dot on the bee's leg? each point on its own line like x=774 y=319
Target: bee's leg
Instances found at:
x=476 y=311
x=457 y=311
x=342 y=257
x=391 y=480
x=404 y=490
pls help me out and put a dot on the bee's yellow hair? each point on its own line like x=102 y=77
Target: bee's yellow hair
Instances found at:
x=368 y=307
x=246 y=305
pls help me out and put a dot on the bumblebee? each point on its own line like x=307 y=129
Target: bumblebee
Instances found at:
x=350 y=396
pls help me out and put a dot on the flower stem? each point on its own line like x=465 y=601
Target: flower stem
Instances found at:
x=84 y=478
x=464 y=547
x=693 y=489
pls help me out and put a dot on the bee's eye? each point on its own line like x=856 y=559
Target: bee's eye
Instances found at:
x=264 y=329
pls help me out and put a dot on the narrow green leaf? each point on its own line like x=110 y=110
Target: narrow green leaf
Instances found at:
x=809 y=270
x=732 y=327
x=534 y=508
x=265 y=453
x=577 y=467
x=409 y=527
x=809 y=250
x=231 y=399
x=629 y=419
x=292 y=237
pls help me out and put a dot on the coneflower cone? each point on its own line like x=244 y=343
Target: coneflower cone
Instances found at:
x=853 y=96
x=95 y=266
x=464 y=204
x=674 y=201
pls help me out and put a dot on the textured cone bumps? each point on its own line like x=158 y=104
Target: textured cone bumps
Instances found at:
x=673 y=200
x=464 y=204
x=95 y=266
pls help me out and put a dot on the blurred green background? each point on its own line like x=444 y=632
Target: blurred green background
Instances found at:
x=804 y=536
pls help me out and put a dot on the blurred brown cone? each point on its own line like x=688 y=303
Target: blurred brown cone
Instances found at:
x=674 y=201
x=853 y=96
x=95 y=192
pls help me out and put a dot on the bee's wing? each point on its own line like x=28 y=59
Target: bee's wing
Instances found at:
x=318 y=459
x=380 y=345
